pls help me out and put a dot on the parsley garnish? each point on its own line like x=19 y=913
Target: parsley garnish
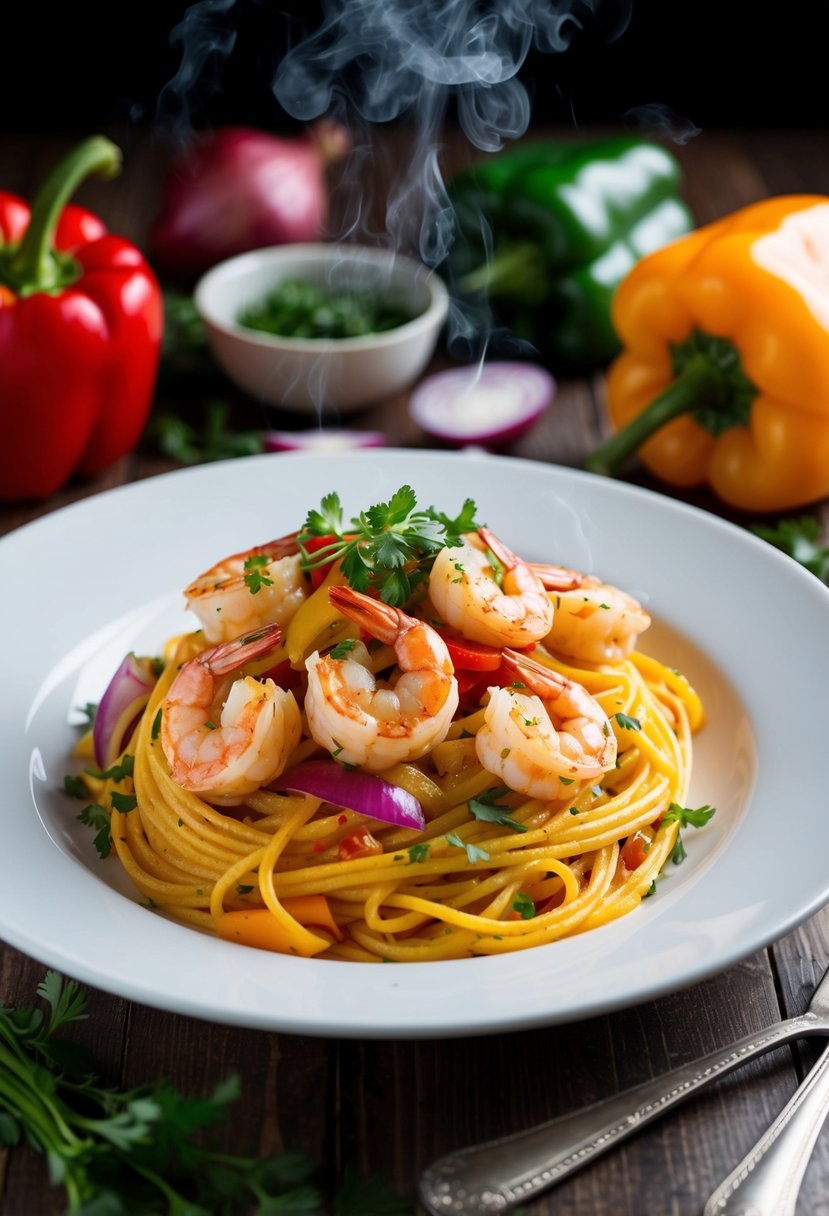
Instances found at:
x=418 y=852
x=117 y=772
x=155 y=730
x=244 y=888
x=74 y=787
x=255 y=576
x=390 y=547
x=628 y=723
x=96 y=817
x=486 y=808
x=342 y=648
x=686 y=818
x=473 y=853
x=89 y=711
x=123 y=803
x=524 y=906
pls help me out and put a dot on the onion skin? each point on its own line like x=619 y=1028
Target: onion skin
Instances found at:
x=444 y=405
x=239 y=188
x=365 y=793
x=120 y=709
x=329 y=440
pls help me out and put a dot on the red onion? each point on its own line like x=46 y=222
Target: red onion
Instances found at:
x=332 y=439
x=240 y=188
x=487 y=406
x=120 y=709
x=365 y=793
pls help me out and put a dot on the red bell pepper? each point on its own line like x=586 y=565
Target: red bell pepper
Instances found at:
x=81 y=318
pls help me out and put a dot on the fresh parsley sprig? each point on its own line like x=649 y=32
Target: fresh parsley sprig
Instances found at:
x=390 y=547
x=686 y=817
x=143 y=1150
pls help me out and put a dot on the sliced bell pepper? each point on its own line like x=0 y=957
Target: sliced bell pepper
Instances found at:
x=547 y=231
x=80 y=334
x=724 y=378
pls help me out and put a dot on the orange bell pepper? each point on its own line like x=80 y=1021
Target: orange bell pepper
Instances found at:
x=724 y=375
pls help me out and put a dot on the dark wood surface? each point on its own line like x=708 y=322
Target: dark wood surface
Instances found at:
x=394 y=1106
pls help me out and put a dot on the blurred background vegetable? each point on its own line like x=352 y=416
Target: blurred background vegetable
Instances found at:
x=239 y=188
x=80 y=336
x=547 y=231
x=724 y=379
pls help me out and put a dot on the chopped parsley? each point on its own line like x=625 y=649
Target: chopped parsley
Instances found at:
x=74 y=787
x=96 y=817
x=486 y=809
x=799 y=539
x=342 y=648
x=390 y=547
x=418 y=852
x=117 y=772
x=686 y=818
x=524 y=906
x=628 y=723
x=473 y=853
x=255 y=576
x=123 y=803
x=155 y=730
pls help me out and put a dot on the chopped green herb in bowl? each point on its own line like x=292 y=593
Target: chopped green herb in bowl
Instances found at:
x=296 y=308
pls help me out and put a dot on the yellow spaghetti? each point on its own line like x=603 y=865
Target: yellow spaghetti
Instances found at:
x=492 y=871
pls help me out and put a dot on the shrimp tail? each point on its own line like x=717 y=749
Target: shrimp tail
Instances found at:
x=496 y=546
x=557 y=578
x=544 y=681
x=230 y=656
x=381 y=620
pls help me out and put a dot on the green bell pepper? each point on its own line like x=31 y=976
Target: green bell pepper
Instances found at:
x=547 y=231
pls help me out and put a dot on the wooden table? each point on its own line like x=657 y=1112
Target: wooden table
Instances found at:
x=394 y=1106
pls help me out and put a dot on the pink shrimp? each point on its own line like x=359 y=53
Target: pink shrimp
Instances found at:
x=593 y=621
x=225 y=738
x=375 y=725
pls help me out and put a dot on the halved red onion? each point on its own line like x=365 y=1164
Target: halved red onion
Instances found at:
x=332 y=439
x=353 y=790
x=486 y=405
x=120 y=708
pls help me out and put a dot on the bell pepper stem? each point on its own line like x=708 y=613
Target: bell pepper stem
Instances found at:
x=35 y=265
x=700 y=384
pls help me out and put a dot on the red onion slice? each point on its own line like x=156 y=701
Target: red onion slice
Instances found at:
x=365 y=793
x=487 y=406
x=120 y=709
x=332 y=439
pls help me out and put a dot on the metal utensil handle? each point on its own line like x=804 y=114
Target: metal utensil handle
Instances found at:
x=767 y=1180
x=494 y=1177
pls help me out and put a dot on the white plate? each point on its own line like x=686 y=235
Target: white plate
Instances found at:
x=746 y=624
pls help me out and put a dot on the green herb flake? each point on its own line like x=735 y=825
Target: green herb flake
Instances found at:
x=95 y=816
x=686 y=817
x=486 y=809
x=473 y=852
x=627 y=723
x=524 y=906
x=117 y=772
x=123 y=803
x=155 y=729
x=342 y=648
x=244 y=888
x=418 y=852
x=74 y=787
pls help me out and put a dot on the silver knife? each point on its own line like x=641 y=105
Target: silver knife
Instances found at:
x=496 y=1176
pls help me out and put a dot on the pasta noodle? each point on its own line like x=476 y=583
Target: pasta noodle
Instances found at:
x=270 y=871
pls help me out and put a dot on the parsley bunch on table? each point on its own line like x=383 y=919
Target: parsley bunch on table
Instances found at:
x=389 y=548
x=143 y=1152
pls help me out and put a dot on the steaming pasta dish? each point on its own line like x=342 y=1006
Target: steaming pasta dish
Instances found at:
x=394 y=739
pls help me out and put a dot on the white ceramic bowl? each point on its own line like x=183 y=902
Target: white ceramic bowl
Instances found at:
x=317 y=375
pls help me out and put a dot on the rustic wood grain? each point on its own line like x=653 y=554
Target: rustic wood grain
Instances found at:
x=394 y=1106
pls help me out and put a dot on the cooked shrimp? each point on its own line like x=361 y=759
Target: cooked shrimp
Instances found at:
x=464 y=590
x=377 y=725
x=225 y=738
x=556 y=730
x=593 y=622
x=260 y=586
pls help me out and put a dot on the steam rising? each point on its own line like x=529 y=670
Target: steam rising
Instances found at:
x=390 y=59
x=206 y=42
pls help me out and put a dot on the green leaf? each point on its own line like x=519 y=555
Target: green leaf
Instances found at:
x=485 y=808
x=628 y=723
x=117 y=772
x=524 y=906
x=123 y=803
x=95 y=816
x=65 y=998
x=685 y=817
x=417 y=852
x=799 y=539
x=255 y=576
x=9 y=1130
x=473 y=852
x=214 y=440
x=75 y=787
x=329 y=519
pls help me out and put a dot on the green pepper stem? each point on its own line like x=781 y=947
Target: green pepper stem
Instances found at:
x=699 y=384
x=35 y=264
x=518 y=269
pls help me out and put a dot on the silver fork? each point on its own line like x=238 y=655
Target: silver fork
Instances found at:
x=494 y=1177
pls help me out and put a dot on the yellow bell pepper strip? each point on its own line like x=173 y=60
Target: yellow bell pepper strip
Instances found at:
x=724 y=375
x=260 y=928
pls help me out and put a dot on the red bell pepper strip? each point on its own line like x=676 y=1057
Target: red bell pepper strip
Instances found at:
x=81 y=319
